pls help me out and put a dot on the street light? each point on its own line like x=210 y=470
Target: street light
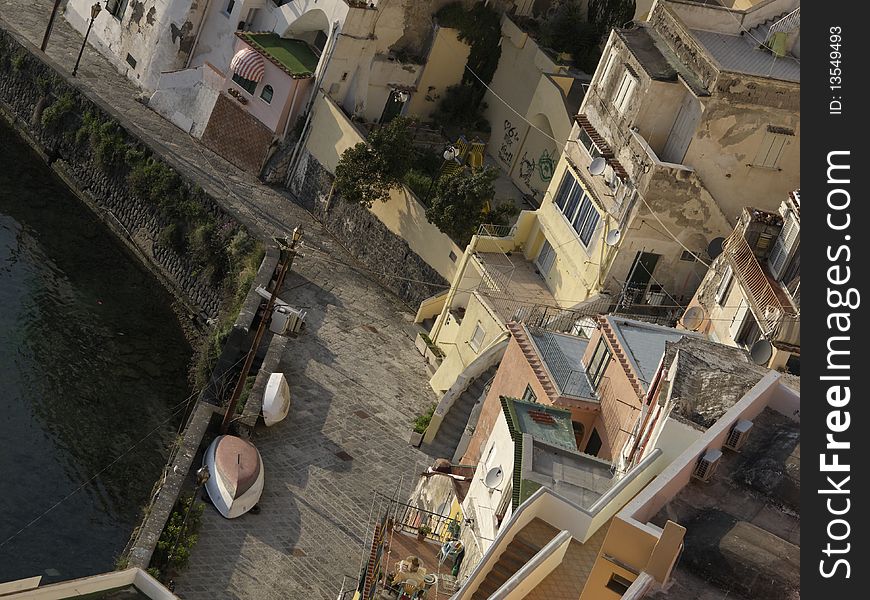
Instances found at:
x=95 y=10
x=449 y=155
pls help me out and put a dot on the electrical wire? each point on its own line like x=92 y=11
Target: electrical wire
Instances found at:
x=176 y=409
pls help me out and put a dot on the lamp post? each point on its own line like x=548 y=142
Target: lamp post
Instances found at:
x=289 y=252
x=95 y=10
x=449 y=154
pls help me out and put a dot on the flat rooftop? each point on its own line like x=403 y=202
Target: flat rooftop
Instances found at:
x=740 y=54
x=657 y=59
x=294 y=57
x=743 y=526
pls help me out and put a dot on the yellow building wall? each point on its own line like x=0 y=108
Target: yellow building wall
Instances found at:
x=627 y=544
x=459 y=353
x=402 y=213
x=445 y=66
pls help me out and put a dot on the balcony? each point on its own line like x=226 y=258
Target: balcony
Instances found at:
x=770 y=306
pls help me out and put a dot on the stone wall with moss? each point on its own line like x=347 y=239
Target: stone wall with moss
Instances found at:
x=201 y=252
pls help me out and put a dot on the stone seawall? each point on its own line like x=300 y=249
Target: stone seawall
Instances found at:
x=61 y=121
x=383 y=253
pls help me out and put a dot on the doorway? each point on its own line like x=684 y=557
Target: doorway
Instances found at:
x=393 y=107
x=593 y=446
x=639 y=277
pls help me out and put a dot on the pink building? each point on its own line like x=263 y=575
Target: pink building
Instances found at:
x=265 y=90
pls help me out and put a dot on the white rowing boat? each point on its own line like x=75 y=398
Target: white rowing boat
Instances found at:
x=236 y=481
x=276 y=399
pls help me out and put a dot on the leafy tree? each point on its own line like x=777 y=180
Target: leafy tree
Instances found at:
x=608 y=14
x=459 y=200
x=368 y=171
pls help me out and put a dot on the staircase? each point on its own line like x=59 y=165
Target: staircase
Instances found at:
x=521 y=549
x=786 y=22
x=451 y=429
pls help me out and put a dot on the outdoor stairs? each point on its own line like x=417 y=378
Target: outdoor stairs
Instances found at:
x=760 y=33
x=454 y=423
x=521 y=549
x=527 y=346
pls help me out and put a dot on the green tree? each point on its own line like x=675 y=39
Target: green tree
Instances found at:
x=608 y=14
x=368 y=171
x=459 y=200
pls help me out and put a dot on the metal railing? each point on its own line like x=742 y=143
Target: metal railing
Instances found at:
x=542 y=316
x=497 y=231
x=563 y=372
x=787 y=24
x=411 y=519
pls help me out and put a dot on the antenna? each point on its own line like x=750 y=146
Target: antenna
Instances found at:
x=761 y=352
x=598 y=165
x=694 y=317
x=493 y=478
x=612 y=238
x=715 y=247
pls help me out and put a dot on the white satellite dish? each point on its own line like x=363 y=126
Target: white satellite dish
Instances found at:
x=493 y=478
x=612 y=237
x=761 y=352
x=694 y=317
x=598 y=165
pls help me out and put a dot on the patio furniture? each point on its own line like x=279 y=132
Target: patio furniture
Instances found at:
x=449 y=550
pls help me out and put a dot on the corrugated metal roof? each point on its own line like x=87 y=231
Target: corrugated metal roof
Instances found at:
x=738 y=54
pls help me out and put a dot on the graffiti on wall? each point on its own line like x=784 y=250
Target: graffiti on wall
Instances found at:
x=511 y=137
x=546 y=165
x=527 y=168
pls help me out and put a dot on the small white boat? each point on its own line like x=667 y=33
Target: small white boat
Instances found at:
x=236 y=469
x=276 y=399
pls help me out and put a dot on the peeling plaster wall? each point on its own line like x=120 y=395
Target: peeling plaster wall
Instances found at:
x=157 y=34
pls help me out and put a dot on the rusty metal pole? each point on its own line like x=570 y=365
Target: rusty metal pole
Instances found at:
x=50 y=25
x=285 y=265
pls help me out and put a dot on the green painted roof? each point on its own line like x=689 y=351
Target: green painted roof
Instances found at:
x=543 y=423
x=295 y=57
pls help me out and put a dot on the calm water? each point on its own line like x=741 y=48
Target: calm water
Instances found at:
x=91 y=360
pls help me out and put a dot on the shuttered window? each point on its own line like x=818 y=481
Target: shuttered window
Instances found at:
x=770 y=150
x=625 y=91
x=737 y=321
x=783 y=246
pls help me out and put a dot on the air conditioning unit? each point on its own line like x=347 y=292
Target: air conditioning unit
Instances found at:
x=707 y=465
x=287 y=320
x=738 y=434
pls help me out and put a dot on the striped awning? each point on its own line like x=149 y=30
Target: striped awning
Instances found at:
x=248 y=63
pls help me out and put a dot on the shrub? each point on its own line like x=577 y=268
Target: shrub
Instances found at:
x=177 y=542
x=54 y=114
x=422 y=421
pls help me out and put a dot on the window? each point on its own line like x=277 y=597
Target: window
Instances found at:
x=607 y=67
x=772 y=144
x=267 y=94
x=618 y=583
x=737 y=321
x=687 y=256
x=477 y=338
x=586 y=141
x=625 y=91
x=576 y=204
x=246 y=84
x=116 y=8
x=783 y=246
x=529 y=394
x=131 y=61
x=546 y=258
x=724 y=286
x=598 y=363
x=231 y=4
x=505 y=502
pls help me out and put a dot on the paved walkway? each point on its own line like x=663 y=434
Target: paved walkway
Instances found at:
x=356 y=379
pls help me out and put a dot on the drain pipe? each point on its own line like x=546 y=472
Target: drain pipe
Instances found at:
x=308 y=109
x=198 y=32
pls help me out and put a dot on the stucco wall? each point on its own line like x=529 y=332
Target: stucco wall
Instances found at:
x=444 y=67
x=187 y=97
x=157 y=34
x=333 y=133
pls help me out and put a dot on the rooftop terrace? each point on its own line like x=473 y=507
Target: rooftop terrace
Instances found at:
x=743 y=526
x=294 y=57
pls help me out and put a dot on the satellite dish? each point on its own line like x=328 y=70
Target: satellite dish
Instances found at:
x=694 y=317
x=598 y=165
x=714 y=248
x=761 y=352
x=612 y=237
x=493 y=478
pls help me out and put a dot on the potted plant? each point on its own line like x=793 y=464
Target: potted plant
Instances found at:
x=423 y=531
x=420 y=425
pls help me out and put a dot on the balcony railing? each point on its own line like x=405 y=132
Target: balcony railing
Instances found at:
x=565 y=375
x=411 y=519
x=541 y=316
x=766 y=306
x=498 y=231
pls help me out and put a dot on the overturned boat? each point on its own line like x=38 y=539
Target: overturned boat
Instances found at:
x=236 y=469
x=276 y=399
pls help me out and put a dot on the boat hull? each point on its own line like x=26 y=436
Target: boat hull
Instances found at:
x=236 y=481
x=276 y=399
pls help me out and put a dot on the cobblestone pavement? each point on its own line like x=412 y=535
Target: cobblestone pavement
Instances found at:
x=357 y=381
